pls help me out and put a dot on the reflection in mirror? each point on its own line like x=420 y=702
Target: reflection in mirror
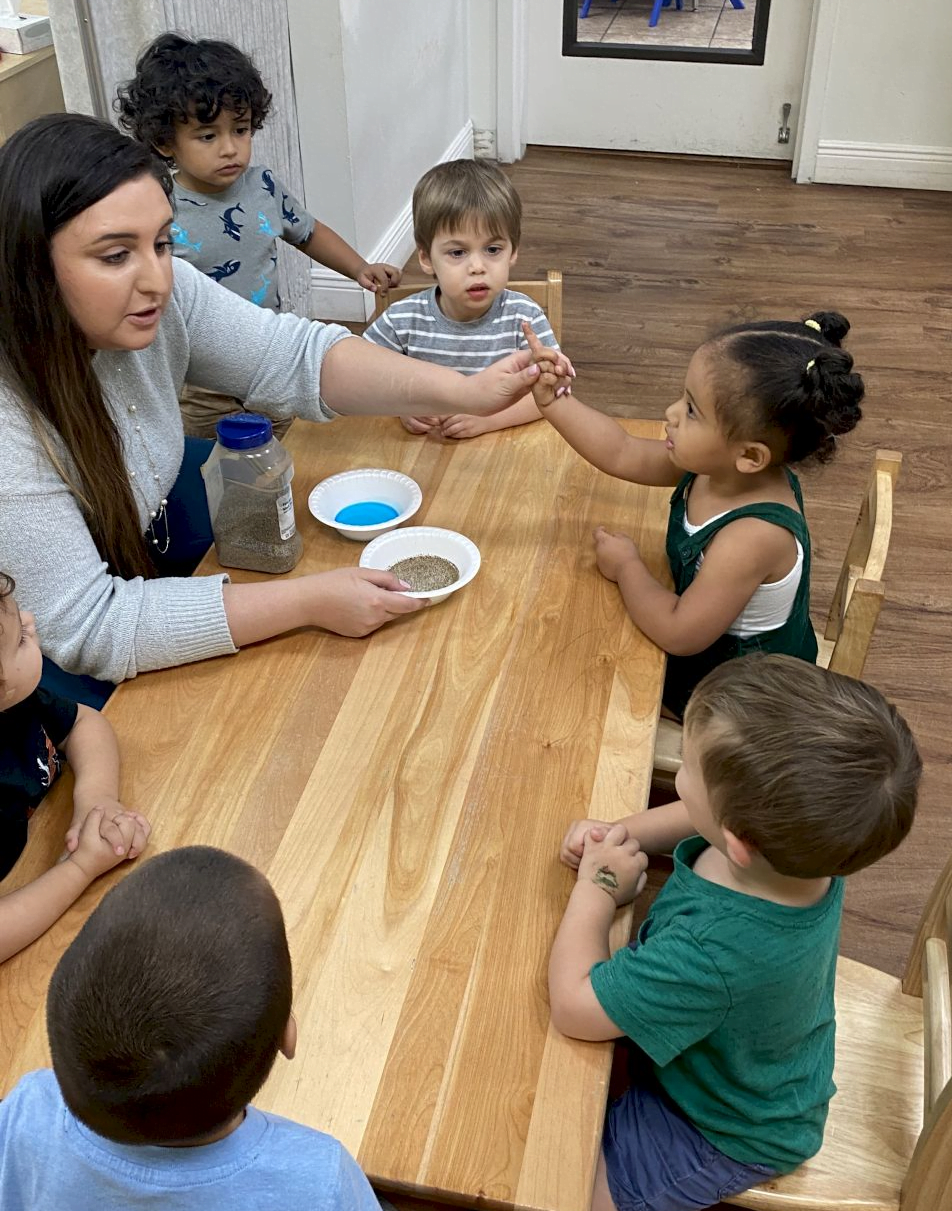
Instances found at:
x=732 y=31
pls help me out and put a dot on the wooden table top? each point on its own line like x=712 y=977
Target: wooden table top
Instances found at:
x=406 y=795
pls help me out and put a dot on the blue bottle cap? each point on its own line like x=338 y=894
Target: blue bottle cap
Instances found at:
x=243 y=431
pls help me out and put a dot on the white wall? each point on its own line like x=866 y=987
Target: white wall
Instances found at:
x=879 y=103
x=383 y=94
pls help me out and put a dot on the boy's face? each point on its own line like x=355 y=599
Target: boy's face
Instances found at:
x=21 y=661
x=210 y=155
x=471 y=268
x=690 y=788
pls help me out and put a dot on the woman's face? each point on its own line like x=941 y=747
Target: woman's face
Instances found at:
x=113 y=265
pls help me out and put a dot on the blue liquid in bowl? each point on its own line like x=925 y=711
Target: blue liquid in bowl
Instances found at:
x=366 y=513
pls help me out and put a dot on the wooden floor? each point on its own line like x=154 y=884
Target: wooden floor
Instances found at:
x=658 y=253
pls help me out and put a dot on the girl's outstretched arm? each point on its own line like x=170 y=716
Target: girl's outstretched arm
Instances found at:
x=598 y=438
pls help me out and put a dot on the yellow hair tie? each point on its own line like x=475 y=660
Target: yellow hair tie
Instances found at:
x=811 y=363
x=812 y=324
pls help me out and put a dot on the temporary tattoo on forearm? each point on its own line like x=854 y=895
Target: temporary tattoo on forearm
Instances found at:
x=605 y=877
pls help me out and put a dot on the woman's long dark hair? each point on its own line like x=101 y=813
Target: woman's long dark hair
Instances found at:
x=50 y=171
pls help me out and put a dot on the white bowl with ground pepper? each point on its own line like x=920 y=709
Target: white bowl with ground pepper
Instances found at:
x=432 y=561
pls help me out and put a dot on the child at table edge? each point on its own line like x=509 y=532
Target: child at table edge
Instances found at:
x=467 y=223
x=38 y=729
x=165 y=1017
x=793 y=777
x=758 y=398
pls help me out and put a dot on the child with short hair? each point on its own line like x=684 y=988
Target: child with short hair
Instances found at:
x=758 y=398
x=467 y=223
x=197 y=103
x=157 y=1054
x=37 y=729
x=793 y=777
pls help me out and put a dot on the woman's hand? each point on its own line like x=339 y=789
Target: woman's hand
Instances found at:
x=506 y=381
x=356 y=601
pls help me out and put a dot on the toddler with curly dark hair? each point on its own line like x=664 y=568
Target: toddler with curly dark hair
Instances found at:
x=198 y=103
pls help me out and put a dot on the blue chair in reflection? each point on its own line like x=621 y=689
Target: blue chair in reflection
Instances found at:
x=656 y=8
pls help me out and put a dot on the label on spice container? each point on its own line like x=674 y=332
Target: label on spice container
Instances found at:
x=285 y=507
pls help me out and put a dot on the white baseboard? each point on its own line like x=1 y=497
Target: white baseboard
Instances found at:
x=895 y=165
x=333 y=297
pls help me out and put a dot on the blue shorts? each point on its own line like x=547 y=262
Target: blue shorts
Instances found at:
x=658 y=1161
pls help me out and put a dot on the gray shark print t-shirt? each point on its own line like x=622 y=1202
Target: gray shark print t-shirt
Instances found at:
x=231 y=235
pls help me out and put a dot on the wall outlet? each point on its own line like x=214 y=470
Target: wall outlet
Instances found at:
x=23 y=35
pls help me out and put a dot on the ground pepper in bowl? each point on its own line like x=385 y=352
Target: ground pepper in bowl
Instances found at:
x=426 y=573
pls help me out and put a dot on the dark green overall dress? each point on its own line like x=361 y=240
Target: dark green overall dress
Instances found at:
x=794 y=638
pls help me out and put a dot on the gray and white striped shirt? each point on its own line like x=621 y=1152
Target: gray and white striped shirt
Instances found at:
x=417 y=327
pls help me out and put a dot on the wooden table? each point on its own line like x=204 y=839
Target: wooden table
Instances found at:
x=406 y=795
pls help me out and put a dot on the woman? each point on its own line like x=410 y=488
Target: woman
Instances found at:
x=99 y=329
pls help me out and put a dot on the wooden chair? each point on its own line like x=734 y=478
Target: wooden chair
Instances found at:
x=888 y=1141
x=859 y=591
x=548 y=294
x=844 y=643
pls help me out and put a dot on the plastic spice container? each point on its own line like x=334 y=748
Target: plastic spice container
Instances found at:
x=248 y=484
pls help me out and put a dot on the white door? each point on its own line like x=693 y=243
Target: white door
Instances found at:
x=696 y=108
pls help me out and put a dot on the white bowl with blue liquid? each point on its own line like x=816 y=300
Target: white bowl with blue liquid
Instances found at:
x=362 y=504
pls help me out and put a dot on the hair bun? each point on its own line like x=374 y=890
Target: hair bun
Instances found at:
x=832 y=326
x=837 y=391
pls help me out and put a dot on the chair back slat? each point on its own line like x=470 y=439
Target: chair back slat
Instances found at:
x=861 y=613
x=546 y=292
x=928 y=1182
x=869 y=544
x=935 y=922
x=936 y=1021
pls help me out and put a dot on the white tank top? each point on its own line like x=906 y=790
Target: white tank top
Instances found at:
x=771 y=604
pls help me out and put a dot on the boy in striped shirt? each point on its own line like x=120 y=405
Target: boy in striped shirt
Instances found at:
x=467 y=220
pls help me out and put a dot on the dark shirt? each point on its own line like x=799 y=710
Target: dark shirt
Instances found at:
x=29 y=764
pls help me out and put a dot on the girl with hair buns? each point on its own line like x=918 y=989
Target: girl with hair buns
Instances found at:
x=757 y=399
x=102 y=509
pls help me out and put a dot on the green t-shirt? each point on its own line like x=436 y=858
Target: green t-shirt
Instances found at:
x=731 y=997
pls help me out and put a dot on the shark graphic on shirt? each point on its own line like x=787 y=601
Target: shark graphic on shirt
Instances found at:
x=180 y=236
x=226 y=270
x=264 y=225
x=230 y=224
x=287 y=212
x=258 y=296
x=267 y=180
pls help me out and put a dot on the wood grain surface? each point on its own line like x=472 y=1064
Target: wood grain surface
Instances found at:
x=406 y=795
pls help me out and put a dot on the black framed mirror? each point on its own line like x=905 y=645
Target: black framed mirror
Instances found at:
x=702 y=31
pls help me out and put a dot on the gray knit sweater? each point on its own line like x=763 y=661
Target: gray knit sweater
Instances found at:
x=90 y=621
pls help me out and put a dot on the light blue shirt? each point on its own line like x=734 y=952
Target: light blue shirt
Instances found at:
x=49 y=1160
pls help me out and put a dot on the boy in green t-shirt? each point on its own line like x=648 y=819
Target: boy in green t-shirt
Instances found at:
x=792 y=777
